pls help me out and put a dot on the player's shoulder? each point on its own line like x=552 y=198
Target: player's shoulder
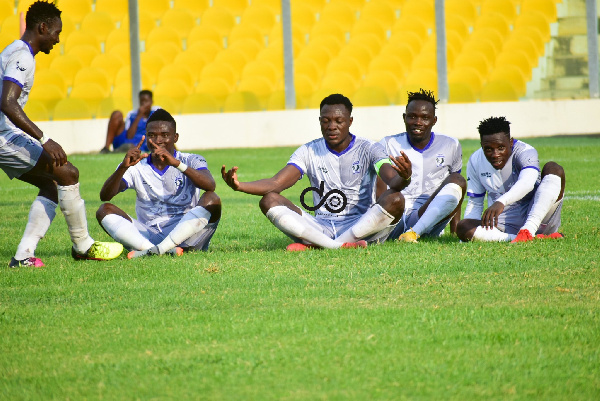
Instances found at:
x=520 y=146
x=446 y=138
x=19 y=51
x=477 y=157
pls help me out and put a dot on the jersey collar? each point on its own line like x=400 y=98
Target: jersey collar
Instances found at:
x=160 y=172
x=350 y=145
x=426 y=147
x=29 y=46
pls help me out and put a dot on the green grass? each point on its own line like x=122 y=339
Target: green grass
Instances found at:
x=434 y=320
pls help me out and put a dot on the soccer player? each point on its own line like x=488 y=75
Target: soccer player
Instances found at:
x=508 y=170
x=436 y=189
x=27 y=154
x=172 y=217
x=342 y=169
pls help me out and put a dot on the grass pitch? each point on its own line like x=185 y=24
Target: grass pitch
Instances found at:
x=434 y=320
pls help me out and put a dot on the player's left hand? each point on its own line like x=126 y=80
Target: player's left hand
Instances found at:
x=163 y=154
x=402 y=165
x=489 y=219
x=134 y=155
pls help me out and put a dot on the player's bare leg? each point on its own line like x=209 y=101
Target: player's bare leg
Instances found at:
x=116 y=125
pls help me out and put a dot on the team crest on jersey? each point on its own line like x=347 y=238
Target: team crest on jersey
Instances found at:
x=356 y=167
x=20 y=68
x=439 y=160
x=323 y=170
x=178 y=182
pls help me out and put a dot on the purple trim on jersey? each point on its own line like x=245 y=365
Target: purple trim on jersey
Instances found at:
x=533 y=167
x=425 y=148
x=298 y=167
x=459 y=171
x=161 y=173
x=126 y=185
x=201 y=168
x=350 y=145
x=13 y=80
x=30 y=49
x=472 y=195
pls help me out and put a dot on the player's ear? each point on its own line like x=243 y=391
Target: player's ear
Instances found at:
x=434 y=120
x=351 y=119
x=176 y=138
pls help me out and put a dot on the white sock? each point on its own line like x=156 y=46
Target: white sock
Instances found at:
x=41 y=214
x=191 y=223
x=493 y=235
x=123 y=231
x=545 y=196
x=73 y=207
x=292 y=224
x=440 y=207
x=373 y=221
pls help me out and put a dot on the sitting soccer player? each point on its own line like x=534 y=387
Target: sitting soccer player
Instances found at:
x=342 y=169
x=436 y=189
x=171 y=214
x=508 y=171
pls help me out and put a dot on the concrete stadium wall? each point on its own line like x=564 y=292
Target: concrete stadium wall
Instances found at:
x=295 y=127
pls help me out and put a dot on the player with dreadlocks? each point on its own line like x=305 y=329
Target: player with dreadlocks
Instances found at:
x=436 y=189
x=522 y=201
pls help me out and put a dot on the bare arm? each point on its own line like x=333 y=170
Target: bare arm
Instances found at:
x=143 y=111
x=285 y=178
x=114 y=184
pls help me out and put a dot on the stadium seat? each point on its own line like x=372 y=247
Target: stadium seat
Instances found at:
x=460 y=92
x=71 y=109
x=258 y=85
x=116 y=37
x=218 y=18
x=167 y=51
x=315 y=5
x=491 y=35
x=155 y=8
x=499 y=7
x=277 y=101
x=110 y=104
x=517 y=58
x=98 y=24
x=390 y=63
x=399 y=50
x=477 y=61
x=222 y=71
x=305 y=87
x=75 y=9
x=418 y=10
x=174 y=89
x=339 y=82
x=200 y=103
x=7 y=7
x=409 y=38
x=469 y=76
x=47 y=94
x=455 y=24
x=379 y=11
x=84 y=53
x=121 y=51
x=151 y=66
x=236 y=59
x=327 y=29
x=359 y=54
x=259 y=16
x=79 y=38
x=545 y=7
x=179 y=71
x=93 y=75
x=465 y=9
x=43 y=60
x=36 y=111
x=193 y=61
x=110 y=64
x=303 y=17
x=245 y=31
x=536 y=20
x=273 y=5
x=318 y=96
x=195 y=7
x=241 y=101
x=416 y=79
x=481 y=46
x=68 y=67
x=216 y=87
x=146 y=24
x=206 y=49
x=235 y=7
x=308 y=67
x=366 y=41
x=385 y=80
x=262 y=68
x=346 y=65
x=499 y=91
x=369 y=30
x=90 y=92
x=527 y=46
x=117 y=9
x=494 y=21
x=180 y=20
x=50 y=77
x=532 y=34
x=203 y=34
x=370 y=96
x=162 y=34
x=122 y=90
x=317 y=52
x=512 y=74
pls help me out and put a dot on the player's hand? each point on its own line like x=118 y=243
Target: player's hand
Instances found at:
x=230 y=177
x=134 y=155
x=402 y=165
x=163 y=154
x=56 y=152
x=490 y=216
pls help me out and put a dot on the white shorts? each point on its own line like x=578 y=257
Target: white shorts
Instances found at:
x=155 y=234
x=19 y=153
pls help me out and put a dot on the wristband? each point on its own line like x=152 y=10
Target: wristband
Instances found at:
x=408 y=179
x=43 y=139
x=182 y=167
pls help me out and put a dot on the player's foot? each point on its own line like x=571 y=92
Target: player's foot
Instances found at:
x=27 y=262
x=100 y=251
x=357 y=244
x=409 y=236
x=550 y=236
x=523 y=236
x=104 y=151
x=177 y=251
x=299 y=247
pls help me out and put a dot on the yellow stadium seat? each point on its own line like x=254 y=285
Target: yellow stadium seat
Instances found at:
x=478 y=61
x=400 y=50
x=151 y=66
x=347 y=65
x=193 y=61
x=122 y=90
x=536 y=20
x=117 y=9
x=79 y=38
x=274 y=55
x=84 y=53
x=200 y=103
x=146 y=24
x=527 y=46
x=416 y=79
x=216 y=87
x=495 y=21
x=367 y=27
x=315 y=5
x=207 y=50
x=519 y=59
x=545 y=7
x=386 y=80
x=122 y=52
x=47 y=94
x=318 y=96
x=174 y=89
x=490 y=34
x=503 y=7
x=262 y=68
x=75 y=9
x=390 y=63
x=72 y=109
x=308 y=67
x=222 y=71
x=167 y=51
x=370 y=96
x=305 y=86
x=274 y=5
x=42 y=60
x=68 y=67
x=532 y=34
x=218 y=18
x=162 y=34
x=36 y=110
x=250 y=48
x=316 y=52
x=7 y=7
x=260 y=16
x=277 y=101
x=93 y=75
x=483 y=46
x=499 y=91
x=456 y=25
x=116 y=37
x=155 y=8
x=512 y=74
x=463 y=8
x=10 y=28
x=379 y=11
x=98 y=24
x=467 y=75
x=303 y=17
x=241 y=101
x=110 y=104
x=410 y=39
x=325 y=28
x=235 y=7
x=460 y=92
x=339 y=82
x=360 y=54
x=235 y=58
x=68 y=26
x=419 y=9
x=179 y=71
x=180 y=20
x=196 y=7
x=90 y=92
x=109 y=63
x=368 y=41
x=260 y=86
x=50 y=77
x=202 y=34
x=245 y=31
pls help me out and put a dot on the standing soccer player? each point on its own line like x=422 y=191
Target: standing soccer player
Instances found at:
x=521 y=205
x=171 y=214
x=27 y=154
x=342 y=169
x=436 y=189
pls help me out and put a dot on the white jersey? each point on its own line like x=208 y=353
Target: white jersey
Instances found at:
x=430 y=166
x=17 y=65
x=352 y=172
x=483 y=178
x=162 y=195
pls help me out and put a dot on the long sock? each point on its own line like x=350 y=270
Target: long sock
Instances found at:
x=123 y=231
x=191 y=223
x=373 y=221
x=41 y=214
x=292 y=224
x=493 y=235
x=545 y=196
x=73 y=207
x=440 y=206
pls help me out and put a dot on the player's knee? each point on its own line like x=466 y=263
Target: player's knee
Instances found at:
x=67 y=174
x=393 y=203
x=104 y=210
x=268 y=201
x=554 y=169
x=116 y=116
x=456 y=178
x=465 y=229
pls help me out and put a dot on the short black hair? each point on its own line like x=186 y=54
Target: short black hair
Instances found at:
x=493 y=125
x=162 y=115
x=423 y=94
x=337 y=98
x=145 y=92
x=41 y=11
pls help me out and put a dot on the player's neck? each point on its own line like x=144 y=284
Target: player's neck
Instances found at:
x=29 y=38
